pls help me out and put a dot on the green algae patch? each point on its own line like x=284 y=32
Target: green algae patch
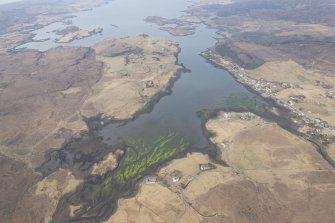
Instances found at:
x=140 y=157
x=243 y=102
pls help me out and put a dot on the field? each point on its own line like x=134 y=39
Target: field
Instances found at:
x=273 y=176
x=129 y=65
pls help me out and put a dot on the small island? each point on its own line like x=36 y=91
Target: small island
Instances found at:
x=184 y=25
x=72 y=33
x=179 y=30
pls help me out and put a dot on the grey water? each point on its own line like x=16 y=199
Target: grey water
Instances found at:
x=3 y=2
x=205 y=87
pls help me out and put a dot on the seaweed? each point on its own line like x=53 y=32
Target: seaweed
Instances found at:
x=244 y=102
x=139 y=158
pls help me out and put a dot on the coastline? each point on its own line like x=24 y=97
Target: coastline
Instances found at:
x=94 y=125
x=275 y=103
x=80 y=151
x=60 y=17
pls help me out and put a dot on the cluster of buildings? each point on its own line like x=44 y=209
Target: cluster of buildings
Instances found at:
x=246 y=116
x=268 y=89
x=176 y=176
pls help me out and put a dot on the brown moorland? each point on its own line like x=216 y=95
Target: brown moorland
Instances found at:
x=45 y=98
x=274 y=176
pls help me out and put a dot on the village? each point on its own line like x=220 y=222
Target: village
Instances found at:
x=316 y=128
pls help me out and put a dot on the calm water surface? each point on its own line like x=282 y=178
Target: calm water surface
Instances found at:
x=206 y=87
x=3 y=2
